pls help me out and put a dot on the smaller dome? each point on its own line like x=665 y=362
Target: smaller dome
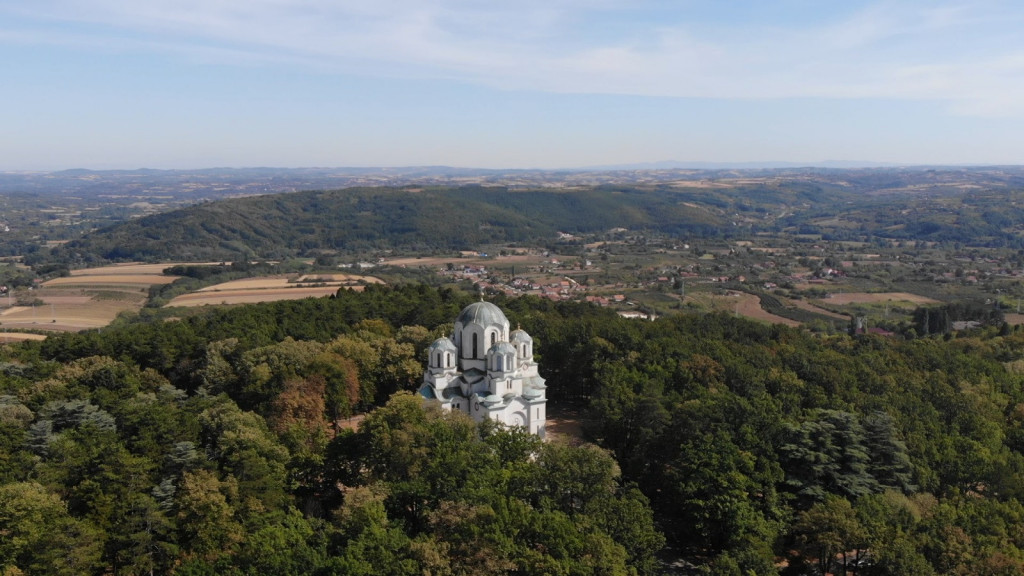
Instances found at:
x=531 y=393
x=502 y=348
x=536 y=382
x=482 y=314
x=492 y=399
x=443 y=345
x=520 y=336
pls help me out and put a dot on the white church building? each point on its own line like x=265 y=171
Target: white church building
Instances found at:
x=487 y=372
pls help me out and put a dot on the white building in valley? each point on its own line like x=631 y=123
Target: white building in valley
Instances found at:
x=487 y=372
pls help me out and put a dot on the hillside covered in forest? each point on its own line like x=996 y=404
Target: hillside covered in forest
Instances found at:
x=421 y=220
x=432 y=220
x=210 y=444
x=354 y=220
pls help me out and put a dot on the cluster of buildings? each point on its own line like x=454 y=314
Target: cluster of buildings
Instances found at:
x=559 y=288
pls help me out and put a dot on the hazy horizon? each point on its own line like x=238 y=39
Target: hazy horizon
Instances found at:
x=638 y=166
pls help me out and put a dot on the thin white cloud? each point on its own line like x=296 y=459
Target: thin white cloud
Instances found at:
x=968 y=55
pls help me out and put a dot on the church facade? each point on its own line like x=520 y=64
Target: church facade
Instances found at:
x=486 y=371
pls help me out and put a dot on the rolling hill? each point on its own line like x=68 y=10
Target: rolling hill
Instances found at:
x=406 y=219
x=435 y=219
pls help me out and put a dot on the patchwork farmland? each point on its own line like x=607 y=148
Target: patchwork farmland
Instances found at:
x=86 y=299
x=92 y=298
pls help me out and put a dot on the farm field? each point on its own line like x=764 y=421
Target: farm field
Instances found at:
x=1014 y=319
x=749 y=305
x=741 y=304
x=103 y=280
x=271 y=288
x=287 y=282
x=87 y=298
x=341 y=278
x=135 y=269
x=61 y=313
x=19 y=336
x=251 y=296
x=843 y=299
x=93 y=298
x=805 y=305
x=131 y=278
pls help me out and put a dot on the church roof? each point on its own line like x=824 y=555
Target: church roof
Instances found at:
x=452 y=392
x=520 y=335
x=473 y=375
x=503 y=348
x=481 y=313
x=443 y=345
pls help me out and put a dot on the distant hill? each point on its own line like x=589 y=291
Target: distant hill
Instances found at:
x=712 y=166
x=409 y=219
x=972 y=206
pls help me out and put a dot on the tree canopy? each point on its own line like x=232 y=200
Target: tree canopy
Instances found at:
x=214 y=444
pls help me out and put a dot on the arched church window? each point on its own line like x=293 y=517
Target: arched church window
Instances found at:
x=439 y=359
x=494 y=338
x=474 y=345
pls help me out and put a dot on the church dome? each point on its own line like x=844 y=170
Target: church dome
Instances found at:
x=531 y=393
x=443 y=345
x=503 y=348
x=520 y=336
x=482 y=314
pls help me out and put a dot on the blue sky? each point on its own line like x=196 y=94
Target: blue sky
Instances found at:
x=499 y=84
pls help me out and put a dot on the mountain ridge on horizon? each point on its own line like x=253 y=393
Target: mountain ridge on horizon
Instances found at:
x=435 y=168
x=213 y=183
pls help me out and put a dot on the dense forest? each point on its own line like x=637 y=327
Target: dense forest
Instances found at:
x=425 y=220
x=212 y=443
x=365 y=219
